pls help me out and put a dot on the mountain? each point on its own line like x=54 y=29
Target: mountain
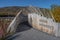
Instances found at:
x=13 y=10
x=10 y=10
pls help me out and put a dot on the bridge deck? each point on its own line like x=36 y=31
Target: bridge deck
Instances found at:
x=29 y=33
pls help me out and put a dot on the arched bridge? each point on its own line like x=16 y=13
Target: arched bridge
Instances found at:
x=19 y=18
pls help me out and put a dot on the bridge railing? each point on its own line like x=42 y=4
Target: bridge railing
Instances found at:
x=12 y=27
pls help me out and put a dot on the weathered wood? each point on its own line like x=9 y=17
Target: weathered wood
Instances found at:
x=14 y=23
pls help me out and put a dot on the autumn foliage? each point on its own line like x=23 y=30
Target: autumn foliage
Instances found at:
x=56 y=13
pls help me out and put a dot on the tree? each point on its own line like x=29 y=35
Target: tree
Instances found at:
x=56 y=12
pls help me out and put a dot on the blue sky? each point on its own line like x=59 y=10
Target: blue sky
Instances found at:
x=38 y=3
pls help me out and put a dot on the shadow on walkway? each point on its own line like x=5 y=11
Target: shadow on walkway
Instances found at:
x=23 y=27
x=11 y=37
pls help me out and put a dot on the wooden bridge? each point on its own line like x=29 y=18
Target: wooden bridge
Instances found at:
x=18 y=19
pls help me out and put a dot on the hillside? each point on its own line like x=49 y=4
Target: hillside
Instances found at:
x=13 y=10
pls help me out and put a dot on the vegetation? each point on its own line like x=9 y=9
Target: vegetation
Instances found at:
x=9 y=10
x=56 y=12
